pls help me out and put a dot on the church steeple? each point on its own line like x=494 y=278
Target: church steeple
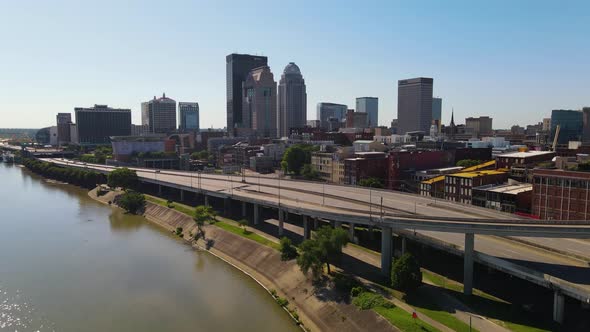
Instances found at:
x=452 y=124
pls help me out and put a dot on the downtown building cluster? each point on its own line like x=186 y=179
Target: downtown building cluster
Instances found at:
x=531 y=170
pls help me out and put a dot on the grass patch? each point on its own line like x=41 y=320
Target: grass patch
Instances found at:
x=182 y=208
x=370 y=300
x=404 y=321
x=425 y=305
x=227 y=226
x=501 y=312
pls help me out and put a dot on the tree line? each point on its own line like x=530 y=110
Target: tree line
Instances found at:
x=80 y=177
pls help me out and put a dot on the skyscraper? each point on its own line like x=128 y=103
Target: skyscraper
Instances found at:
x=237 y=68
x=436 y=109
x=159 y=114
x=414 y=104
x=327 y=111
x=570 y=124
x=259 y=103
x=189 y=116
x=292 y=100
x=63 y=127
x=586 y=124
x=97 y=124
x=369 y=105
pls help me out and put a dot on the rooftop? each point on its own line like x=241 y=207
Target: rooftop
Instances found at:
x=470 y=175
x=507 y=188
x=525 y=154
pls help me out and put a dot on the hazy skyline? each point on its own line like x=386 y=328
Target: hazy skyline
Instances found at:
x=513 y=61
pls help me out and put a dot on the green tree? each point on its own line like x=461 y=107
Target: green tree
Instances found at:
x=132 y=201
x=406 y=274
x=371 y=182
x=325 y=246
x=200 y=155
x=309 y=172
x=288 y=250
x=468 y=163
x=203 y=213
x=296 y=156
x=244 y=224
x=122 y=177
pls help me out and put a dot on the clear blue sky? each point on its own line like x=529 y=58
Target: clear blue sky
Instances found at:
x=512 y=60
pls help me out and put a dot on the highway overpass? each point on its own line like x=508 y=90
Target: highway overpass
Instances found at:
x=476 y=233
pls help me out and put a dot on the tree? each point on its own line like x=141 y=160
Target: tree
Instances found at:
x=371 y=182
x=200 y=155
x=325 y=246
x=131 y=201
x=309 y=172
x=203 y=213
x=406 y=274
x=468 y=163
x=244 y=224
x=296 y=156
x=122 y=177
x=288 y=250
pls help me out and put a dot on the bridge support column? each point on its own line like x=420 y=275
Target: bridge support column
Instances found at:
x=386 y=251
x=181 y=195
x=306 y=228
x=256 y=214
x=244 y=209
x=371 y=235
x=403 y=245
x=227 y=206
x=468 y=264
x=159 y=190
x=281 y=221
x=351 y=232
x=558 y=306
x=206 y=200
x=315 y=223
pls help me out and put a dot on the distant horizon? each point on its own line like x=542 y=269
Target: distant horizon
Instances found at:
x=514 y=62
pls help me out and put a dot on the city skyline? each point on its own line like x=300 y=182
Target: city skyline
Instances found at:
x=477 y=68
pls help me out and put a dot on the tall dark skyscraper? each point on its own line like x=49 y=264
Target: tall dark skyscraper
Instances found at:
x=97 y=124
x=292 y=100
x=414 y=104
x=237 y=68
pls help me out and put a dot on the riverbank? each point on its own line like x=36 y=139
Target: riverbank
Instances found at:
x=318 y=309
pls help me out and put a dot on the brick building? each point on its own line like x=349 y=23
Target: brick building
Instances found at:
x=365 y=165
x=560 y=194
x=458 y=187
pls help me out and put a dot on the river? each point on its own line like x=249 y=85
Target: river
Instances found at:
x=68 y=263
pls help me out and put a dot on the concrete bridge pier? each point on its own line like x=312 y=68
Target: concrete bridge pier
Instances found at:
x=306 y=228
x=181 y=195
x=206 y=200
x=558 y=306
x=386 y=245
x=468 y=264
x=281 y=222
x=159 y=190
x=351 y=232
x=315 y=223
x=244 y=213
x=256 y=214
x=403 y=245
x=227 y=206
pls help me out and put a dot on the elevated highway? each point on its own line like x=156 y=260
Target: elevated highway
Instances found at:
x=449 y=226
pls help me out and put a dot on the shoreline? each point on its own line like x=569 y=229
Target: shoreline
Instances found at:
x=198 y=245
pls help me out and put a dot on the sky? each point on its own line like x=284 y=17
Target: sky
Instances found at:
x=512 y=60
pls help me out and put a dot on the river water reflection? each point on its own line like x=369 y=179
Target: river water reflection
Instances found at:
x=68 y=263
